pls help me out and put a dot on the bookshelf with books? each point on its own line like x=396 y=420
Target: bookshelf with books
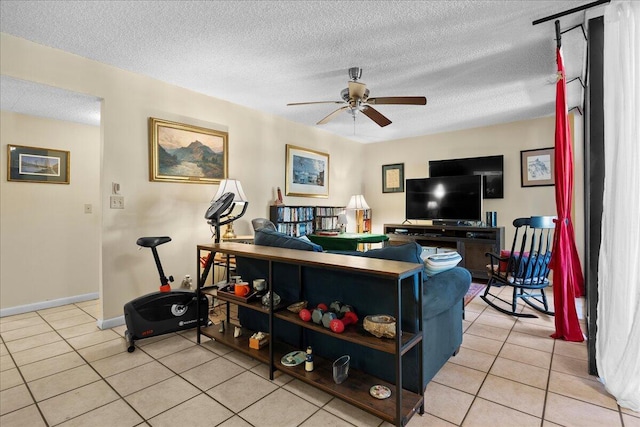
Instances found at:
x=365 y=225
x=293 y=220
x=326 y=218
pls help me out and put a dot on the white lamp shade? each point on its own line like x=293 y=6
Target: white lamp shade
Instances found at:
x=357 y=202
x=231 y=186
x=342 y=219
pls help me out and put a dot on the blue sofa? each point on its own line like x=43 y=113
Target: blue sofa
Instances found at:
x=442 y=307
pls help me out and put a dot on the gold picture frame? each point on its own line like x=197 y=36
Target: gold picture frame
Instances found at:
x=35 y=164
x=306 y=172
x=537 y=167
x=185 y=153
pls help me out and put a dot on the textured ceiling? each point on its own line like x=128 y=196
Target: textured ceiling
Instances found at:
x=477 y=62
x=39 y=100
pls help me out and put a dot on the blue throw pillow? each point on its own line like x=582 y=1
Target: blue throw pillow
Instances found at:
x=266 y=237
x=409 y=252
x=533 y=266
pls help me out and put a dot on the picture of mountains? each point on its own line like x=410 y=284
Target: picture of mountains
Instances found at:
x=196 y=160
x=187 y=154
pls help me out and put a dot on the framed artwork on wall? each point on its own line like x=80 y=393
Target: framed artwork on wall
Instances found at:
x=537 y=167
x=393 y=178
x=33 y=164
x=184 y=153
x=306 y=173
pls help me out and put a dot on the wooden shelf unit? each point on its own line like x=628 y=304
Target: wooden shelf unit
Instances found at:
x=364 y=221
x=470 y=242
x=400 y=407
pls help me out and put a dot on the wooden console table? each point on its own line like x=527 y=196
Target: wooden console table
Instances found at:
x=355 y=390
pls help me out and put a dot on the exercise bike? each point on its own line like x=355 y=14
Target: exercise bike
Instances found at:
x=165 y=311
x=168 y=310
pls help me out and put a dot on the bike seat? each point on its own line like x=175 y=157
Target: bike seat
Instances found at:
x=152 y=242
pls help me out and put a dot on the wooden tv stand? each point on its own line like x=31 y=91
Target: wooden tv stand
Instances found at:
x=470 y=242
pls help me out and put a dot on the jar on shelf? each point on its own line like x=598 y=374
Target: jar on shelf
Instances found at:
x=266 y=299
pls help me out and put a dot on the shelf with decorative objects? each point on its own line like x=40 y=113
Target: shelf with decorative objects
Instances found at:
x=358 y=389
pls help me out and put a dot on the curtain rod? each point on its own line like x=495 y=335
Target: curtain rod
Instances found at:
x=570 y=11
x=565 y=13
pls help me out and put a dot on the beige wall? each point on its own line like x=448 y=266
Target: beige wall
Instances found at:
x=506 y=139
x=49 y=248
x=256 y=157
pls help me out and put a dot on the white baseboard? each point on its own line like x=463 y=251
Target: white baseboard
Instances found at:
x=11 y=311
x=110 y=323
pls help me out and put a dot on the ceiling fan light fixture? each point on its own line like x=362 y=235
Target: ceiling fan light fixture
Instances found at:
x=344 y=94
x=355 y=98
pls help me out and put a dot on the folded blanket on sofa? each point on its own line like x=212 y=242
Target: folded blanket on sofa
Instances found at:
x=437 y=263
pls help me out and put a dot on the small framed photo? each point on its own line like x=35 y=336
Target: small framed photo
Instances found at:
x=537 y=167
x=393 y=178
x=184 y=153
x=33 y=164
x=306 y=173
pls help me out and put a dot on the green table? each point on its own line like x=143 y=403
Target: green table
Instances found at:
x=346 y=241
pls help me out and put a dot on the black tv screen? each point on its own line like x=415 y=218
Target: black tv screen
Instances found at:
x=449 y=198
x=489 y=167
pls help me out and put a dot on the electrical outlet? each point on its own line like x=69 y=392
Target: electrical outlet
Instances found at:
x=117 y=202
x=88 y=208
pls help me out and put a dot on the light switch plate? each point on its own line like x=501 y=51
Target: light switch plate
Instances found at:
x=117 y=202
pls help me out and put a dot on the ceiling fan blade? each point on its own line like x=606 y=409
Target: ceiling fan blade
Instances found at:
x=376 y=116
x=332 y=115
x=357 y=90
x=398 y=100
x=315 y=102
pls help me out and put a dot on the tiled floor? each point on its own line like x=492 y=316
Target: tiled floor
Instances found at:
x=58 y=368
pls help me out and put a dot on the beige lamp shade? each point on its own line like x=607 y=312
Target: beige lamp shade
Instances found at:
x=357 y=202
x=231 y=186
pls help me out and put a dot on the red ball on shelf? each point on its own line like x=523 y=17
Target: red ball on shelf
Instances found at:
x=305 y=315
x=336 y=326
x=322 y=306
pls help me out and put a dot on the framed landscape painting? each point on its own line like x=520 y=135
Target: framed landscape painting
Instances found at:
x=537 y=167
x=307 y=172
x=186 y=153
x=33 y=164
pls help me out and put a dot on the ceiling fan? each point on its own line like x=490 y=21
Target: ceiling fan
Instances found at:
x=356 y=98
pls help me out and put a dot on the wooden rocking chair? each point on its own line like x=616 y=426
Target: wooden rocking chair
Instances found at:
x=525 y=267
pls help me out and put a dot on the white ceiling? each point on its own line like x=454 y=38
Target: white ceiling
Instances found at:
x=40 y=100
x=477 y=62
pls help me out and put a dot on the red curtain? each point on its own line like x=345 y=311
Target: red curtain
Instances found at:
x=568 y=281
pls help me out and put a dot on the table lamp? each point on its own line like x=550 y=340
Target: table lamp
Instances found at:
x=232 y=186
x=359 y=205
x=342 y=222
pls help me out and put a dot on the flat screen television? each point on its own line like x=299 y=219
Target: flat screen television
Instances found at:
x=447 y=199
x=490 y=167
